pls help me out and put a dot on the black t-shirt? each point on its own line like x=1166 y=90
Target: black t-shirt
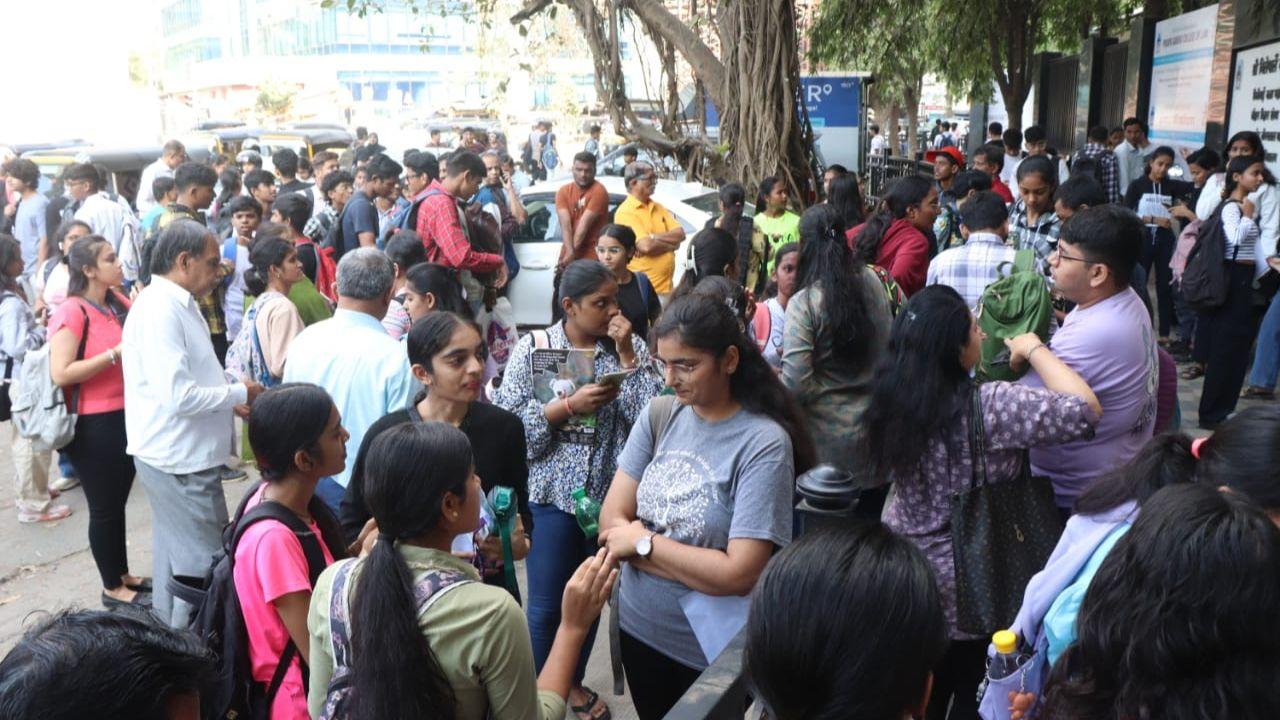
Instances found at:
x=497 y=445
x=632 y=304
x=1172 y=191
x=294 y=185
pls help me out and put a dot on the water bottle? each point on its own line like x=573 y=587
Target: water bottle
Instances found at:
x=587 y=511
x=1005 y=662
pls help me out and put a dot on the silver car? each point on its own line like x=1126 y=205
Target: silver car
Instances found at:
x=538 y=242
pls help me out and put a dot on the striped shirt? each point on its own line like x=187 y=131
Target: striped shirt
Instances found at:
x=1241 y=232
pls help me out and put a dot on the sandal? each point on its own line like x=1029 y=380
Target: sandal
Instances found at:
x=1252 y=392
x=1193 y=372
x=583 y=711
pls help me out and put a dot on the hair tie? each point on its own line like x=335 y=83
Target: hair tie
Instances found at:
x=1196 y=445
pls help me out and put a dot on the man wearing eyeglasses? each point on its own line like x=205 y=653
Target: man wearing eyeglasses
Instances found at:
x=1108 y=340
x=658 y=234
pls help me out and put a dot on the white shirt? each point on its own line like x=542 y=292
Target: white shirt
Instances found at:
x=178 y=404
x=112 y=218
x=1265 y=199
x=1009 y=171
x=879 y=145
x=318 y=203
x=157 y=169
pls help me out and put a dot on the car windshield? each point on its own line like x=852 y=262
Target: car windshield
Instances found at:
x=709 y=203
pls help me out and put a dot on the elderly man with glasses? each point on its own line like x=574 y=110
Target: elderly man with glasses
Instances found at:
x=658 y=234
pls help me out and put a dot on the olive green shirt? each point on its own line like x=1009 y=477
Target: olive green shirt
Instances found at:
x=477 y=632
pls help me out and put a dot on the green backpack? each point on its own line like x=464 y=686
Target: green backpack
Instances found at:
x=1014 y=304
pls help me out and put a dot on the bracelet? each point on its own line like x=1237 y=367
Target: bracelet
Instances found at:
x=113 y=355
x=567 y=406
x=1033 y=350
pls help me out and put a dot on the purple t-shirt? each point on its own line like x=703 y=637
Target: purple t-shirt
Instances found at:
x=1111 y=345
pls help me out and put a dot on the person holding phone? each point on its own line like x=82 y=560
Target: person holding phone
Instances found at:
x=561 y=462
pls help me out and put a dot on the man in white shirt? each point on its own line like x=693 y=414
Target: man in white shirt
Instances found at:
x=1133 y=153
x=353 y=358
x=178 y=409
x=174 y=154
x=322 y=164
x=1012 y=156
x=878 y=144
x=106 y=214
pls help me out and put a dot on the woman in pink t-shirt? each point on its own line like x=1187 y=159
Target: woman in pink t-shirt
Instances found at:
x=94 y=311
x=297 y=436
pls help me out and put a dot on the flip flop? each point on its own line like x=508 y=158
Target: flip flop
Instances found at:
x=1192 y=373
x=584 y=710
x=1257 y=393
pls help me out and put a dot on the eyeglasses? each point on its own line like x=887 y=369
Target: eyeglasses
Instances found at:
x=679 y=368
x=1063 y=256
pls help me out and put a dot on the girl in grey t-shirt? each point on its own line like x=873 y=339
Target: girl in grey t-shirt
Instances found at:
x=697 y=511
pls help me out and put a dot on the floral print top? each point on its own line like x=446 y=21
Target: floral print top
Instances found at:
x=1015 y=417
x=556 y=468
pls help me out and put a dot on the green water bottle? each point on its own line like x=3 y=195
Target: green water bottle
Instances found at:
x=587 y=511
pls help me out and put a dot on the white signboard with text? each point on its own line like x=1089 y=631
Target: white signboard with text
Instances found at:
x=1255 y=98
x=1181 y=69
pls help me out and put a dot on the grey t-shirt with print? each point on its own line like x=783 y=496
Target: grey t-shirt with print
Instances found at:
x=710 y=482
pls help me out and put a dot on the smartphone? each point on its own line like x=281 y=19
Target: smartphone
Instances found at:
x=614 y=378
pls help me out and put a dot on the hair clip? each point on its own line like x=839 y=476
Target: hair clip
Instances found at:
x=1196 y=445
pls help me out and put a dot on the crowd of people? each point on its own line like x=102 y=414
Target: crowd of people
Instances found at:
x=418 y=453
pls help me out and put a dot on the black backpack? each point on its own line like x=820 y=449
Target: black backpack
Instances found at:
x=333 y=237
x=1205 y=279
x=219 y=621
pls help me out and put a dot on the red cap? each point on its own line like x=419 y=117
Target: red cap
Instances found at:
x=951 y=152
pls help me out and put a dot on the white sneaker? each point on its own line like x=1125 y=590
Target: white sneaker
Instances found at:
x=64 y=484
x=53 y=512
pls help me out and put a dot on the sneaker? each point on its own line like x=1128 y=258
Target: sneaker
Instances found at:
x=230 y=474
x=51 y=513
x=64 y=483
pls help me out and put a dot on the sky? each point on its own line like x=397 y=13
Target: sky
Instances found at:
x=67 y=72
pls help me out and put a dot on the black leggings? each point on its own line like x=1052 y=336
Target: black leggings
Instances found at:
x=106 y=473
x=955 y=681
x=656 y=681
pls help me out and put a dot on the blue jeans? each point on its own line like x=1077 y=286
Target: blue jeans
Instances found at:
x=331 y=493
x=1266 y=358
x=559 y=547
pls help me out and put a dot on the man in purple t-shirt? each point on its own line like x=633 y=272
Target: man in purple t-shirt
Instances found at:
x=1107 y=338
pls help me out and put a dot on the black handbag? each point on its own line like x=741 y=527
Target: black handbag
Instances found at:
x=6 y=403
x=1001 y=535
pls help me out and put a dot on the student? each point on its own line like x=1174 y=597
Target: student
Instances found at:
x=837 y=328
x=701 y=506
x=769 y=323
x=261 y=186
x=51 y=279
x=881 y=636
x=733 y=219
x=272 y=321
x=20 y=334
x=229 y=187
x=246 y=217
x=1223 y=334
x=917 y=437
x=557 y=464
x=1032 y=221
x=714 y=253
x=405 y=250
x=417 y=635
x=845 y=197
x=115 y=664
x=1176 y=622
x=288 y=216
x=298 y=438
x=970 y=268
x=990 y=159
x=637 y=298
x=1012 y=156
x=97 y=451
x=448 y=356
x=775 y=225
x=1152 y=196
x=429 y=287
x=894 y=238
x=165 y=192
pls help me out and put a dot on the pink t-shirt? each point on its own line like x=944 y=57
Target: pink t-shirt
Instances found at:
x=104 y=392
x=269 y=565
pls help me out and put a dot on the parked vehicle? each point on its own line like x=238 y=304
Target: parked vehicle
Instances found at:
x=124 y=165
x=538 y=242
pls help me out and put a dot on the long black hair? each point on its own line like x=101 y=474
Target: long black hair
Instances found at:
x=231 y=180
x=826 y=263
x=1178 y=623
x=84 y=254
x=884 y=628
x=708 y=324
x=1163 y=150
x=409 y=470
x=284 y=420
x=902 y=195
x=1238 y=166
x=430 y=335
x=713 y=251
x=267 y=251
x=920 y=387
x=733 y=196
x=442 y=282
x=10 y=250
x=846 y=199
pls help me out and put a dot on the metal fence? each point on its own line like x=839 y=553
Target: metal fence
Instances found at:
x=1115 y=59
x=883 y=170
x=1059 y=103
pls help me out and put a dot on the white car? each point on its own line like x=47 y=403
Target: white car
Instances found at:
x=538 y=242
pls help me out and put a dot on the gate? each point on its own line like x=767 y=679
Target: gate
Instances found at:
x=1059 y=116
x=1115 y=59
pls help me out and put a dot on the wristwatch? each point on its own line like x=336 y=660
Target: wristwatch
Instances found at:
x=644 y=546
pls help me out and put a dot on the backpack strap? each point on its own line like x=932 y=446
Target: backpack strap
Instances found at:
x=762 y=325
x=541 y=340
x=1024 y=260
x=646 y=290
x=661 y=409
x=229 y=248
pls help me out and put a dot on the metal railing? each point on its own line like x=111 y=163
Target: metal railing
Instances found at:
x=883 y=170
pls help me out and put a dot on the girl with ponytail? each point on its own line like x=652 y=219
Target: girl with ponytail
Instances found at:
x=408 y=631
x=715 y=254
x=895 y=237
x=272 y=322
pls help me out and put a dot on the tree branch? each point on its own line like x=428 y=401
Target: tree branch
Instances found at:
x=531 y=8
x=704 y=62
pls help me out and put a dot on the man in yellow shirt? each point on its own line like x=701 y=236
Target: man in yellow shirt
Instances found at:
x=658 y=234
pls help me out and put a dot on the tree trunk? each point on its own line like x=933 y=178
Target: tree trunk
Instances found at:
x=912 y=99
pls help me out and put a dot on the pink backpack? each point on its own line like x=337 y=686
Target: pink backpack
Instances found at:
x=1186 y=240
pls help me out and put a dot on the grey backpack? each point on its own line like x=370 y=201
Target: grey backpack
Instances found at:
x=41 y=411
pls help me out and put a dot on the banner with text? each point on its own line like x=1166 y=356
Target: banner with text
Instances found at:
x=1181 y=67
x=1255 y=98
